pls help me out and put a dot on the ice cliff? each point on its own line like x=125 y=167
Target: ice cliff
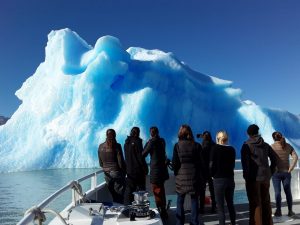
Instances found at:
x=79 y=91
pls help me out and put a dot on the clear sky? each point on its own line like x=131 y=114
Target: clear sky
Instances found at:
x=256 y=43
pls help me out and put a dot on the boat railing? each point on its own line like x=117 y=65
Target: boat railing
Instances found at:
x=77 y=194
x=75 y=188
x=295 y=178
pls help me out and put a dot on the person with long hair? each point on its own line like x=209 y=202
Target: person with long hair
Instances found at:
x=187 y=163
x=136 y=166
x=207 y=146
x=222 y=164
x=283 y=174
x=111 y=160
x=156 y=147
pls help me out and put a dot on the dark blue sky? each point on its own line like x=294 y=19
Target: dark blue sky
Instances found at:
x=256 y=44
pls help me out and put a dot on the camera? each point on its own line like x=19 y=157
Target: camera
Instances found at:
x=199 y=135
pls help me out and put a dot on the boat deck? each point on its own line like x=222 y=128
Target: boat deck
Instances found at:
x=242 y=216
x=241 y=203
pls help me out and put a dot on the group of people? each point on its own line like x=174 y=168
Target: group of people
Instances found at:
x=195 y=165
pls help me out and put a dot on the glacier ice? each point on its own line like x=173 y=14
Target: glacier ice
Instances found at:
x=79 y=91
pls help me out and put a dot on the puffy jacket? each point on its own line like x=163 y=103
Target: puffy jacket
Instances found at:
x=188 y=167
x=156 y=147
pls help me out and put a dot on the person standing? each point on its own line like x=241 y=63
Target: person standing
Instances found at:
x=111 y=160
x=156 y=147
x=222 y=163
x=136 y=166
x=207 y=145
x=187 y=162
x=283 y=174
x=257 y=174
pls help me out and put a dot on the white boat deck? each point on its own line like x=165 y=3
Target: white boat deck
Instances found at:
x=100 y=194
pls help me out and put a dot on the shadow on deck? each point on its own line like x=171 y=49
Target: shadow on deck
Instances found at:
x=242 y=215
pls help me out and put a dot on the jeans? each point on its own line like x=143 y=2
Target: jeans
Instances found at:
x=224 y=189
x=180 y=217
x=259 y=202
x=285 y=178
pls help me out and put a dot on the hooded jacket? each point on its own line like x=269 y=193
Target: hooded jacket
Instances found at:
x=254 y=156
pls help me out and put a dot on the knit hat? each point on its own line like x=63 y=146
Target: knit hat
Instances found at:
x=252 y=130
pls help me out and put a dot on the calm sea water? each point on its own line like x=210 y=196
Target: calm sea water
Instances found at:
x=21 y=190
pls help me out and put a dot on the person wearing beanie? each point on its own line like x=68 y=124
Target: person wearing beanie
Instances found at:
x=111 y=160
x=283 y=175
x=257 y=174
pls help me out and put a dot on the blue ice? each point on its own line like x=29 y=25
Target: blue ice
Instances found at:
x=79 y=91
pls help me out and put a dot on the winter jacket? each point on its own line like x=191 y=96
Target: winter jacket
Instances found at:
x=207 y=147
x=254 y=156
x=111 y=159
x=158 y=168
x=188 y=167
x=222 y=161
x=136 y=166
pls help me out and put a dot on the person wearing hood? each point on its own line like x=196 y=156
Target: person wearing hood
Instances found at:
x=136 y=166
x=283 y=175
x=257 y=174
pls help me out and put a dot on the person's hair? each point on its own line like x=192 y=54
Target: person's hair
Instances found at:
x=154 y=132
x=252 y=130
x=221 y=137
x=135 y=132
x=206 y=136
x=111 y=138
x=185 y=133
x=277 y=136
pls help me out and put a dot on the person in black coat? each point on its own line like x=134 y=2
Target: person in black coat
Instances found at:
x=156 y=147
x=207 y=145
x=136 y=166
x=188 y=168
x=111 y=160
x=222 y=163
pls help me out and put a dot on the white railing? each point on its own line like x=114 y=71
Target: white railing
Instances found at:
x=295 y=179
x=30 y=217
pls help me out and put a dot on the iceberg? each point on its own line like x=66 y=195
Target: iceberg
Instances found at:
x=80 y=91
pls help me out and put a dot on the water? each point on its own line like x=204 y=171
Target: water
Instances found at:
x=21 y=190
